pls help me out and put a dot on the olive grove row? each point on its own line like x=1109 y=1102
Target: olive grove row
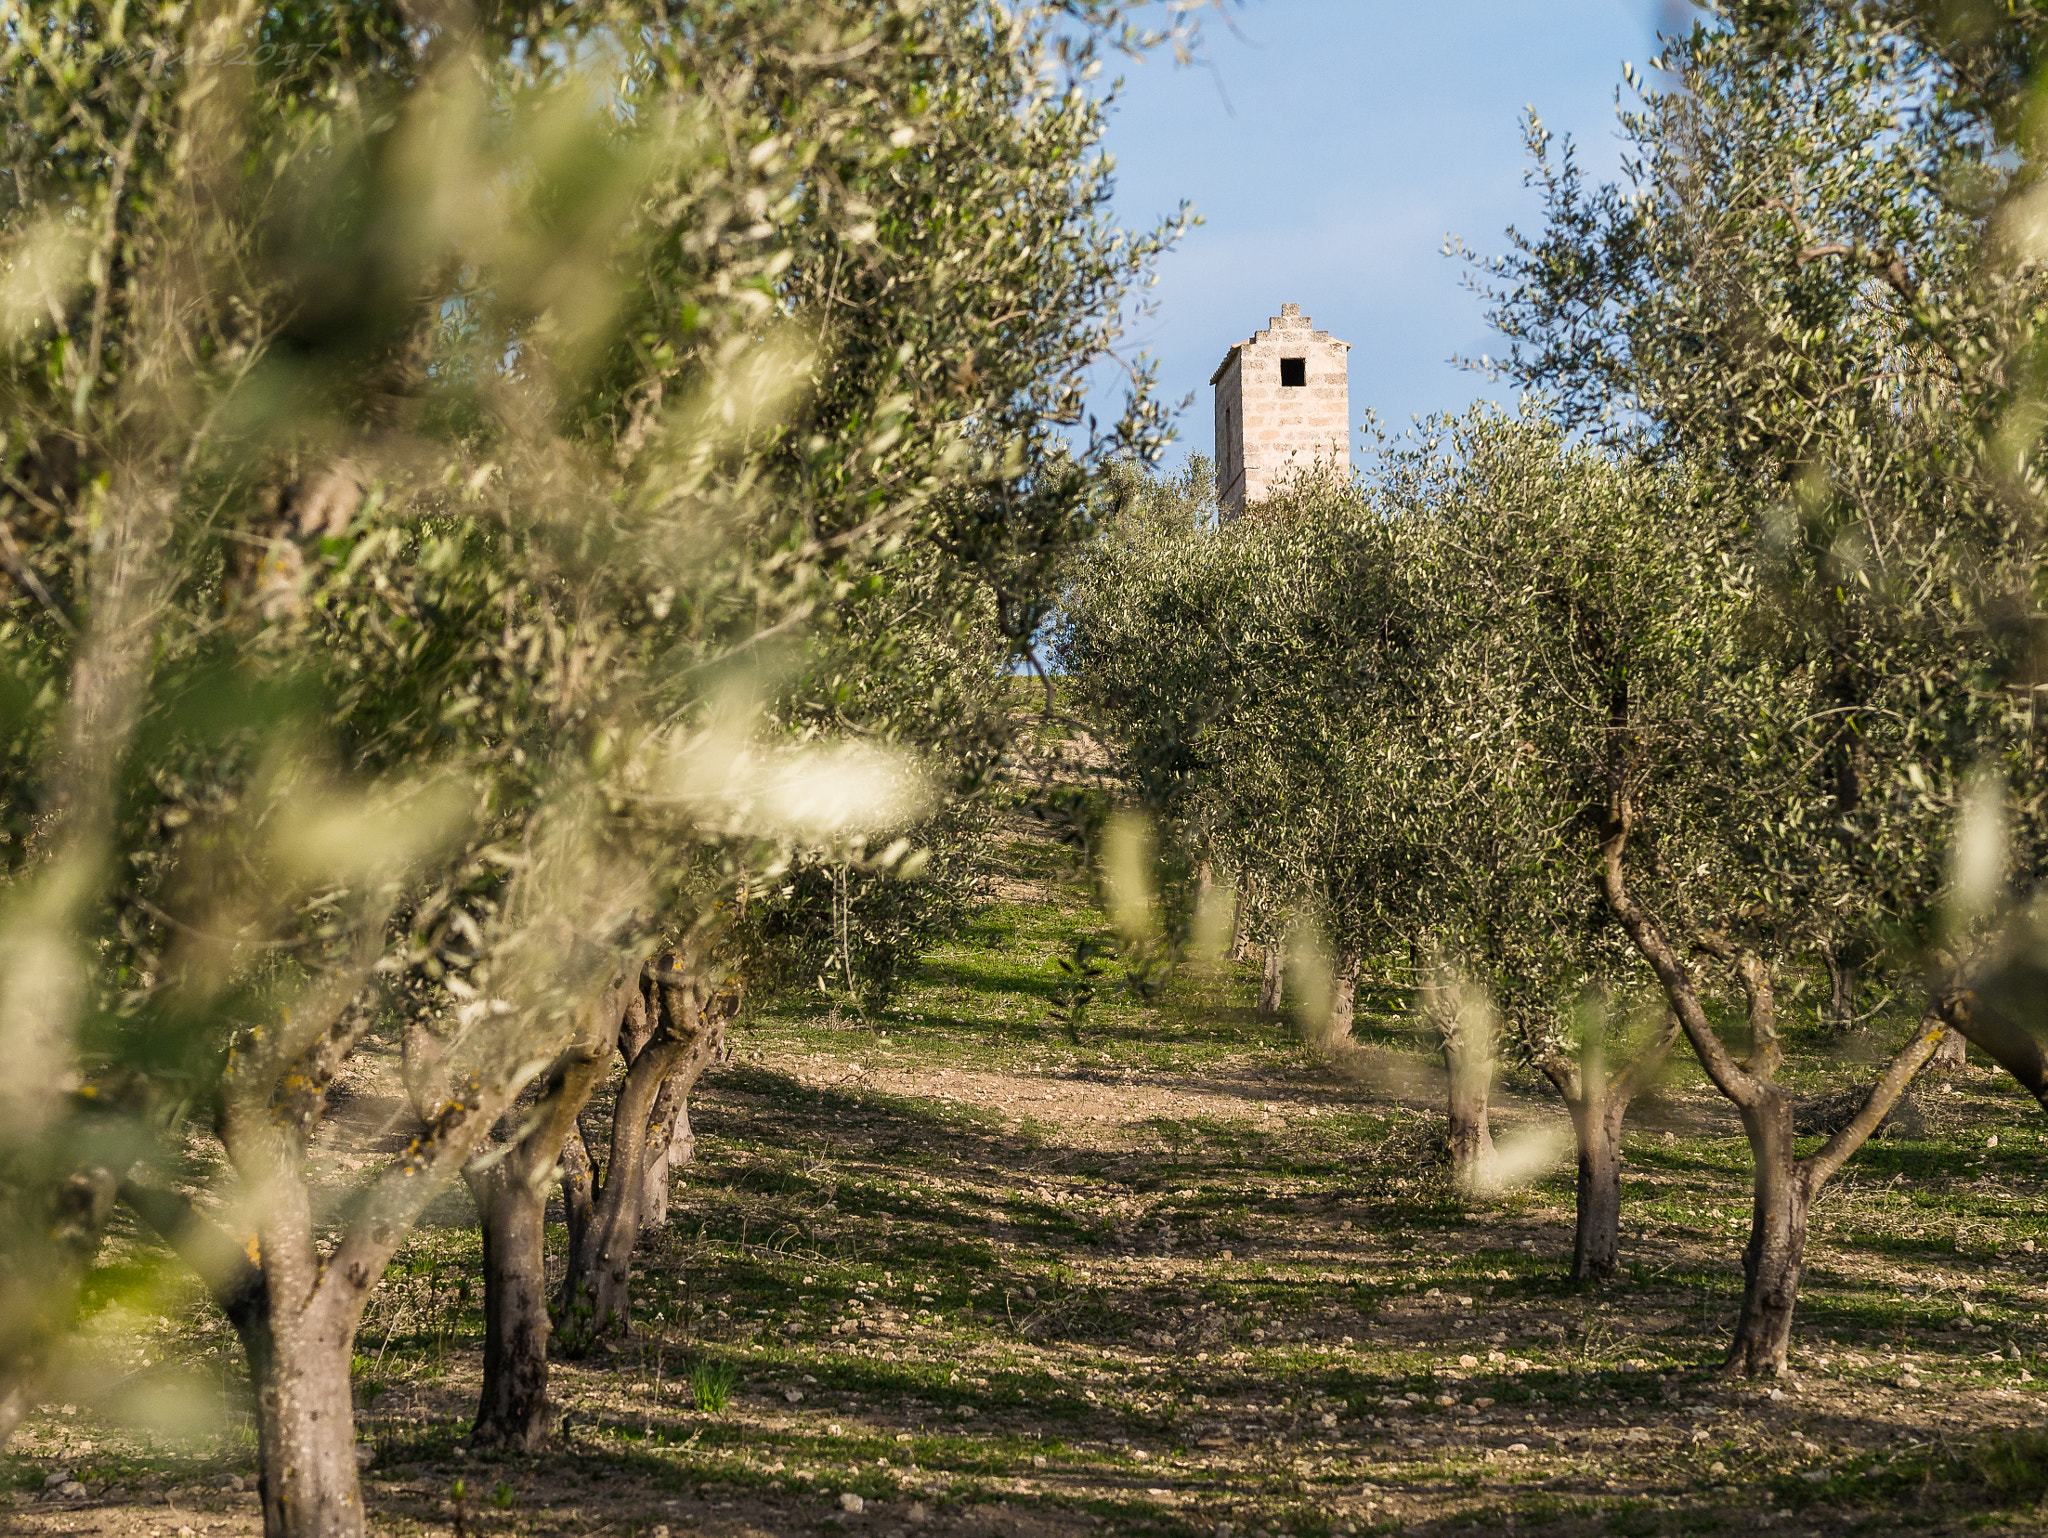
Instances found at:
x=1712 y=671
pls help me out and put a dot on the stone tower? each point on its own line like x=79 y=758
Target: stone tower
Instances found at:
x=1283 y=402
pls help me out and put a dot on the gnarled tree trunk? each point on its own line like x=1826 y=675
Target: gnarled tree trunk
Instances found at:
x=511 y=1189
x=607 y=1208
x=672 y=1144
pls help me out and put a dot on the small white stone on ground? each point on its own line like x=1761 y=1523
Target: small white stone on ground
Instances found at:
x=848 y=1501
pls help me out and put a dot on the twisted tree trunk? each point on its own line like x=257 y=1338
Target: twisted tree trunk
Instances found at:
x=606 y=1208
x=511 y=1185
x=673 y=1144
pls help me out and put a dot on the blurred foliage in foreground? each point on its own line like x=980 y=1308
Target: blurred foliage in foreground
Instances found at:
x=492 y=498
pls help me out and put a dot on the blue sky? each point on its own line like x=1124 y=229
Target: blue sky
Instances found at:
x=1330 y=146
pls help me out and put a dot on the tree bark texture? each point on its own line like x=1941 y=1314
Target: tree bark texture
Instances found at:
x=1596 y=1239
x=606 y=1208
x=1782 y=1194
x=513 y=1410
x=1599 y=1105
x=305 y=1427
x=1240 y=922
x=298 y=1368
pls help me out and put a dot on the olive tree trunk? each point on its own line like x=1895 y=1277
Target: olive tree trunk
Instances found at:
x=314 y=1287
x=305 y=1428
x=1344 y=995
x=1272 y=979
x=1782 y=1194
x=512 y=1410
x=1841 y=1014
x=511 y=1184
x=1465 y=1030
x=672 y=1144
x=299 y=1359
x=606 y=1208
x=1785 y=1186
x=1470 y=1071
x=1598 y=1105
x=1596 y=1237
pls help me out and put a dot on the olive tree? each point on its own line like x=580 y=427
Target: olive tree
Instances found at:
x=419 y=432
x=1817 y=283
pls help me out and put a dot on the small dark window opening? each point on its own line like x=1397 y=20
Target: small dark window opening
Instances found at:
x=1293 y=371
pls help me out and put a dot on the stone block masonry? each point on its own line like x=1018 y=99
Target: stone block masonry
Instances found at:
x=1283 y=404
